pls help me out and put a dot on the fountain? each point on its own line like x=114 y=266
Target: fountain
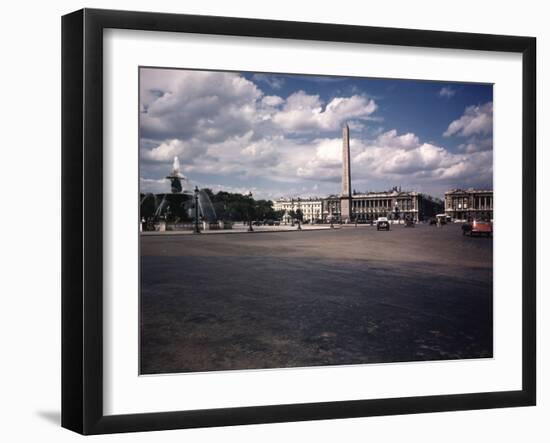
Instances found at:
x=176 y=177
x=184 y=208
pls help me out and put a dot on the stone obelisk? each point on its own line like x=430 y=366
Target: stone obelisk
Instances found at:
x=345 y=199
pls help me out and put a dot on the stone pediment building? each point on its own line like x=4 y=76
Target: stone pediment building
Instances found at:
x=469 y=204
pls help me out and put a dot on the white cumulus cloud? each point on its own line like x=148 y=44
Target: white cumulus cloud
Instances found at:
x=305 y=113
x=476 y=120
x=182 y=104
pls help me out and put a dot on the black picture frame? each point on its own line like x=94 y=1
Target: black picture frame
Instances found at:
x=82 y=190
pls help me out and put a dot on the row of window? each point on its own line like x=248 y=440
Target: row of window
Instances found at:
x=402 y=205
x=465 y=203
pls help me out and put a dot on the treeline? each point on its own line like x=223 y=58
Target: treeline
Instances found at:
x=237 y=207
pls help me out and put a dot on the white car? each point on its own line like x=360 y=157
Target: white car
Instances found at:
x=382 y=223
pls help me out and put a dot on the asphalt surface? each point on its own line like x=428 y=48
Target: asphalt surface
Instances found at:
x=296 y=299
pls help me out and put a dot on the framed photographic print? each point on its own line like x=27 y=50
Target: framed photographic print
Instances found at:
x=269 y=221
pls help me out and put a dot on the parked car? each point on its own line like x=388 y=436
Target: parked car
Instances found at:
x=382 y=223
x=433 y=221
x=409 y=223
x=478 y=227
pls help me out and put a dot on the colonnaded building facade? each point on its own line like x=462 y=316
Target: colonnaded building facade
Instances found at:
x=313 y=209
x=350 y=205
x=469 y=204
x=394 y=204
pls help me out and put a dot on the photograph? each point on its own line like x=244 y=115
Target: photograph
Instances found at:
x=291 y=220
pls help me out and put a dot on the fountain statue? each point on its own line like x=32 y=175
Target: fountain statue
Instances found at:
x=176 y=177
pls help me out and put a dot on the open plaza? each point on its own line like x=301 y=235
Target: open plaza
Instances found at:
x=349 y=295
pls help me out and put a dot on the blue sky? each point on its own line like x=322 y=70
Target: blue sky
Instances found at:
x=280 y=135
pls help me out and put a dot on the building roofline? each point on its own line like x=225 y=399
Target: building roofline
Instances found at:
x=467 y=191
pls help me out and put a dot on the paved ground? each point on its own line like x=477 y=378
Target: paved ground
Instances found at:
x=288 y=299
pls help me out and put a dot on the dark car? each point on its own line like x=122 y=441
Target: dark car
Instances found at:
x=409 y=223
x=382 y=223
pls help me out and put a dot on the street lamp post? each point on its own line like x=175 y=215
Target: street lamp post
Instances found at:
x=196 y=228
x=299 y=215
x=396 y=210
x=250 y=228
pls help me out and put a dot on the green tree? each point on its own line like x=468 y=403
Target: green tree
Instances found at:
x=264 y=210
x=278 y=215
x=239 y=207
